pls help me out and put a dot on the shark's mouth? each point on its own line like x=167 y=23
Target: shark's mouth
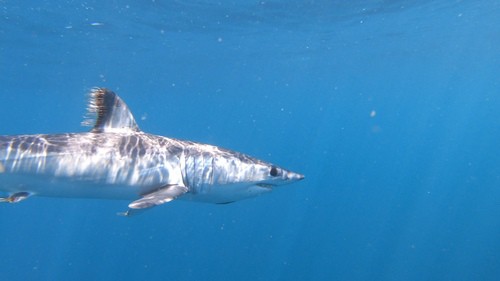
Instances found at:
x=265 y=185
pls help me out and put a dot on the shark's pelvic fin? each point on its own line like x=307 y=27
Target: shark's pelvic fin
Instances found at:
x=158 y=197
x=108 y=113
x=16 y=197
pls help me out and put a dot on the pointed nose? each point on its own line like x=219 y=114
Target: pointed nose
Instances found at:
x=291 y=176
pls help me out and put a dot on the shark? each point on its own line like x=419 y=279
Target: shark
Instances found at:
x=117 y=160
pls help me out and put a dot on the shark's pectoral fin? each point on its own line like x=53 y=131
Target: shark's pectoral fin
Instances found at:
x=158 y=197
x=163 y=195
x=16 y=197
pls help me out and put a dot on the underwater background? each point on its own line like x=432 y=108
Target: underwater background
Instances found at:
x=390 y=108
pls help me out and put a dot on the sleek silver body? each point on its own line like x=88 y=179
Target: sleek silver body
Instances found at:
x=116 y=160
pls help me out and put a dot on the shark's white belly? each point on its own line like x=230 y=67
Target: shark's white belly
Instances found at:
x=66 y=187
x=225 y=193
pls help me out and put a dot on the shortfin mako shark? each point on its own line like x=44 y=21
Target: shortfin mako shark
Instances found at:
x=116 y=160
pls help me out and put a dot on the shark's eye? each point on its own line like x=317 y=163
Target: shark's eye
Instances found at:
x=273 y=172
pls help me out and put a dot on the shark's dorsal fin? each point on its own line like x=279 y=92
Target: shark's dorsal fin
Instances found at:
x=108 y=113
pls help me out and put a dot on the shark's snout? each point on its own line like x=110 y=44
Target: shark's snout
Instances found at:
x=280 y=177
x=291 y=176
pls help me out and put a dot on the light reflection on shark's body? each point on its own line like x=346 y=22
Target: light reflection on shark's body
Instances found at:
x=116 y=160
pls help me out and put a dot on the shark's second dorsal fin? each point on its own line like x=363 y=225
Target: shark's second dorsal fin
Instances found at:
x=108 y=113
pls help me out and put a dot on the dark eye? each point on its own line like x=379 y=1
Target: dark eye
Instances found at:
x=273 y=172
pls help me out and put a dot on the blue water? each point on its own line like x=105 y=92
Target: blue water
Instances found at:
x=390 y=108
